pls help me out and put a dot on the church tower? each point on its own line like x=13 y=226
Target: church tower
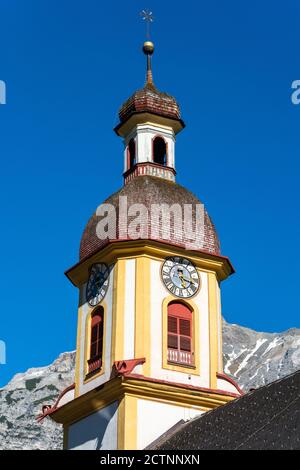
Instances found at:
x=149 y=338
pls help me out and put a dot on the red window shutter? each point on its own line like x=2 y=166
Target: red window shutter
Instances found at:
x=173 y=341
x=179 y=310
x=172 y=325
x=172 y=332
x=94 y=334
x=179 y=328
x=185 y=344
x=184 y=327
x=93 y=350
x=185 y=334
x=100 y=338
x=96 y=346
x=97 y=318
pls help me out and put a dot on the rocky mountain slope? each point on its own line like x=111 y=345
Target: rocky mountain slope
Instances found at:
x=252 y=358
x=22 y=399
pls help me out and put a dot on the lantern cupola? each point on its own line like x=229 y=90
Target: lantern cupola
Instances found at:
x=149 y=122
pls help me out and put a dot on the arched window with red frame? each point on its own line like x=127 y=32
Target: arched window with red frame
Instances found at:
x=180 y=334
x=131 y=154
x=160 y=151
x=96 y=344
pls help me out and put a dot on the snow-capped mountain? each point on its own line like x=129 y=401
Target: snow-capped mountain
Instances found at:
x=254 y=359
x=251 y=358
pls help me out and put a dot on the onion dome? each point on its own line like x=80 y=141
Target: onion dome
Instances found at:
x=149 y=99
x=149 y=190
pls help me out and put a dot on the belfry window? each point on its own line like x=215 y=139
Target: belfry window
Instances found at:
x=159 y=151
x=131 y=154
x=96 y=343
x=180 y=334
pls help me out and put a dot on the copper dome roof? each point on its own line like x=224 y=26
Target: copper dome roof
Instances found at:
x=150 y=190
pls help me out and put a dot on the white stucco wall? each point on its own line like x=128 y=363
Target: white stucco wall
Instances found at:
x=155 y=418
x=97 y=431
x=226 y=386
x=143 y=135
x=69 y=396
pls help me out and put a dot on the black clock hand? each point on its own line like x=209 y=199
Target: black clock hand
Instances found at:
x=191 y=280
x=182 y=279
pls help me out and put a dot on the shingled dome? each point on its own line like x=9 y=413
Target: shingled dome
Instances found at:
x=150 y=190
x=150 y=100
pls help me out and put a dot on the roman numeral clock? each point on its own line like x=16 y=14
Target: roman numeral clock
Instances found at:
x=180 y=276
x=97 y=284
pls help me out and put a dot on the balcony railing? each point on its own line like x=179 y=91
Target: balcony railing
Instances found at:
x=180 y=357
x=94 y=364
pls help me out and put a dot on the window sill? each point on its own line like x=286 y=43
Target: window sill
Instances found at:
x=91 y=374
x=181 y=364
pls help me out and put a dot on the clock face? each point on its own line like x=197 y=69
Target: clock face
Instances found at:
x=180 y=276
x=97 y=284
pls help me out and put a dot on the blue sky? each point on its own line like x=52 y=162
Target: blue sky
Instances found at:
x=68 y=66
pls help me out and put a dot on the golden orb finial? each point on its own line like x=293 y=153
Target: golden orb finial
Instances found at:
x=148 y=47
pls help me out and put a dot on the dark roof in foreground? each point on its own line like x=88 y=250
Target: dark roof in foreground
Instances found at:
x=267 y=418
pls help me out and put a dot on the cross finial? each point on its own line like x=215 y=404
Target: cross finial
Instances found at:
x=148 y=17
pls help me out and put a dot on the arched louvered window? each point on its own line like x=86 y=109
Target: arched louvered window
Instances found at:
x=96 y=345
x=131 y=154
x=160 y=151
x=180 y=334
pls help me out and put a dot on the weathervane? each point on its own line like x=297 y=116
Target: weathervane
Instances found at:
x=148 y=17
x=148 y=47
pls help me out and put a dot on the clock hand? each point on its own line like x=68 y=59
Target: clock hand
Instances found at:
x=191 y=281
x=181 y=278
